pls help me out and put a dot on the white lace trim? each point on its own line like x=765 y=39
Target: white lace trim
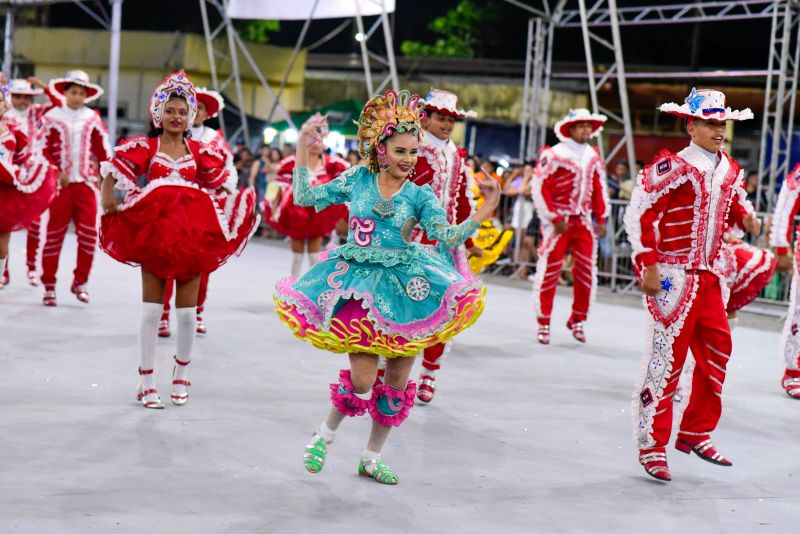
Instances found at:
x=123 y=181
x=549 y=241
x=666 y=335
x=782 y=217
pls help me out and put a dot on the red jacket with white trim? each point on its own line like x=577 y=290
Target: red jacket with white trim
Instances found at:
x=566 y=183
x=682 y=206
x=443 y=169
x=75 y=141
x=786 y=209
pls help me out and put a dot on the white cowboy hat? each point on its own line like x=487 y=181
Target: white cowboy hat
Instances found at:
x=446 y=103
x=576 y=116
x=77 y=77
x=20 y=86
x=706 y=104
x=212 y=100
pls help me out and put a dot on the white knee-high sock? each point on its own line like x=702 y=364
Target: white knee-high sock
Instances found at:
x=297 y=263
x=148 y=335
x=3 y=265
x=312 y=258
x=186 y=319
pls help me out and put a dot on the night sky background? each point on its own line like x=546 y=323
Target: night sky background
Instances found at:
x=726 y=45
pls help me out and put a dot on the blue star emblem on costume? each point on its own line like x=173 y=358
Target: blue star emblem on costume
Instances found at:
x=666 y=284
x=694 y=100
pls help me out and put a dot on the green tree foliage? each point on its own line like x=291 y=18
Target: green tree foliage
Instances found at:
x=459 y=33
x=257 y=31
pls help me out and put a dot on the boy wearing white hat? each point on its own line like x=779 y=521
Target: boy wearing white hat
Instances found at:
x=568 y=189
x=441 y=165
x=75 y=140
x=27 y=118
x=680 y=209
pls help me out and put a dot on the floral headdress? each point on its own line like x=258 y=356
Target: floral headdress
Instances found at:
x=176 y=84
x=383 y=115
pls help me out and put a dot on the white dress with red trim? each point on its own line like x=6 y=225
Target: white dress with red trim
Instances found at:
x=305 y=222
x=27 y=182
x=172 y=226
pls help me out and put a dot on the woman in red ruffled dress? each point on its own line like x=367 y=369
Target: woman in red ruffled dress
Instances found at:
x=171 y=226
x=27 y=181
x=303 y=224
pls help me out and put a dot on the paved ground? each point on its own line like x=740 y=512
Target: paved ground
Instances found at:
x=520 y=438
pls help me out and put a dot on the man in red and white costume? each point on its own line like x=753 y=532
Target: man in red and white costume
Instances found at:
x=209 y=104
x=679 y=211
x=569 y=188
x=26 y=117
x=441 y=165
x=781 y=241
x=76 y=141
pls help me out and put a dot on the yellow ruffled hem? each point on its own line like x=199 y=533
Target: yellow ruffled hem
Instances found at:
x=359 y=335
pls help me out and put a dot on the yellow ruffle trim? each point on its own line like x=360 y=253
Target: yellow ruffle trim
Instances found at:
x=347 y=338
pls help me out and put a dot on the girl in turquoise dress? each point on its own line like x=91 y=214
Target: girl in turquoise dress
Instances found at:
x=379 y=294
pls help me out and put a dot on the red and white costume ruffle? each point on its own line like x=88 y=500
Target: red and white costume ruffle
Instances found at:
x=298 y=222
x=29 y=122
x=781 y=241
x=75 y=141
x=204 y=134
x=171 y=226
x=680 y=209
x=27 y=181
x=746 y=270
x=569 y=184
x=440 y=164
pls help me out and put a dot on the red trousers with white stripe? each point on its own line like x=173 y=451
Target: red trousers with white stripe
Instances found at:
x=76 y=202
x=169 y=288
x=581 y=242
x=33 y=244
x=706 y=332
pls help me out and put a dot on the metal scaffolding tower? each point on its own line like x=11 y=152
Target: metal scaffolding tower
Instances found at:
x=217 y=51
x=617 y=67
x=387 y=61
x=536 y=86
x=698 y=11
x=780 y=91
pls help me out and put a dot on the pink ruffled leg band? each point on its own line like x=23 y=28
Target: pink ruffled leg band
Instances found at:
x=344 y=398
x=389 y=406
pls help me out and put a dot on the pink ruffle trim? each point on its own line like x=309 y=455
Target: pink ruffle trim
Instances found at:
x=405 y=400
x=346 y=401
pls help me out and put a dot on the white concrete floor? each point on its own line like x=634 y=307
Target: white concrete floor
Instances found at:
x=520 y=438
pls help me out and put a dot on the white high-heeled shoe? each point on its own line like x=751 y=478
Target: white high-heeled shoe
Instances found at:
x=180 y=398
x=142 y=394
